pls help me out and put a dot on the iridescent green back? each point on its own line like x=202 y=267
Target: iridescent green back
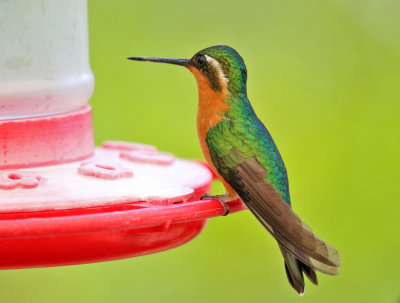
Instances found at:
x=242 y=130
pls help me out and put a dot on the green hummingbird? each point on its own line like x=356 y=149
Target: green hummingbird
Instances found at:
x=241 y=152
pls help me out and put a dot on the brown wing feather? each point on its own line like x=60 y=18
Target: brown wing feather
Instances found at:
x=248 y=179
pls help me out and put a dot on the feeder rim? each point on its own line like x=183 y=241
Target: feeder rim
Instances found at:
x=116 y=220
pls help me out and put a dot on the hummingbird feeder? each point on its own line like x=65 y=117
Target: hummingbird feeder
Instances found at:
x=63 y=201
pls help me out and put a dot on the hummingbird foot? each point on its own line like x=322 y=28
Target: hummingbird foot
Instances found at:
x=221 y=198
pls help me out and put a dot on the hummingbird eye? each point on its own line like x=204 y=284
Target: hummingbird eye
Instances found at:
x=200 y=60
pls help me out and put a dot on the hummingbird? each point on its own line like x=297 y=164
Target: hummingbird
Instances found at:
x=241 y=152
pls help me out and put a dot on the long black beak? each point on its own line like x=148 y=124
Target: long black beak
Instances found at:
x=182 y=62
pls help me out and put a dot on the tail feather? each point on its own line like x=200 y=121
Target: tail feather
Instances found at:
x=294 y=270
x=309 y=272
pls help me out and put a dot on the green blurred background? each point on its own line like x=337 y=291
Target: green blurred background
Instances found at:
x=323 y=76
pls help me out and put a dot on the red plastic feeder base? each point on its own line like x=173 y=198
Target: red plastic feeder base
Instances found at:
x=121 y=200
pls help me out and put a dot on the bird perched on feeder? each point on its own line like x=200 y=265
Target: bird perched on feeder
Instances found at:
x=242 y=153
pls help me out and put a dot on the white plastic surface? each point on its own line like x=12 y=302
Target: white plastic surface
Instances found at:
x=63 y=187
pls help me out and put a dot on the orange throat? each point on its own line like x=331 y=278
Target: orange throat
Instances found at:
x=211 y=110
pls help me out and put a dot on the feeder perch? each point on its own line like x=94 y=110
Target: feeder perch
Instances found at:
x=63 y=201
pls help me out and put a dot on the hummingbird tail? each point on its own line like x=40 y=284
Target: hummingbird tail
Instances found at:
x=304 y=252
x=294 y=271
x=308 y=252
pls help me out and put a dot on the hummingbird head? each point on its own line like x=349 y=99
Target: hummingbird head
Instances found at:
x=222 y=67
x=219 y=67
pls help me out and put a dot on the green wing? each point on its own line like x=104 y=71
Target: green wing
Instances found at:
x=239 y=162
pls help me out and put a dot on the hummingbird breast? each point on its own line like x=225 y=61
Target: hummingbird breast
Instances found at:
x=211 y=110
x=212 y=106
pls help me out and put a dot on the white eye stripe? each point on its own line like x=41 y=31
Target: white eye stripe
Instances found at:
x=218 y=67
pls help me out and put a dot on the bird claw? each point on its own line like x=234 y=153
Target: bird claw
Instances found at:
x=220 y=198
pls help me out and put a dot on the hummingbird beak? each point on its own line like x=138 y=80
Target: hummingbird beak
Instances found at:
x=182 y=62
